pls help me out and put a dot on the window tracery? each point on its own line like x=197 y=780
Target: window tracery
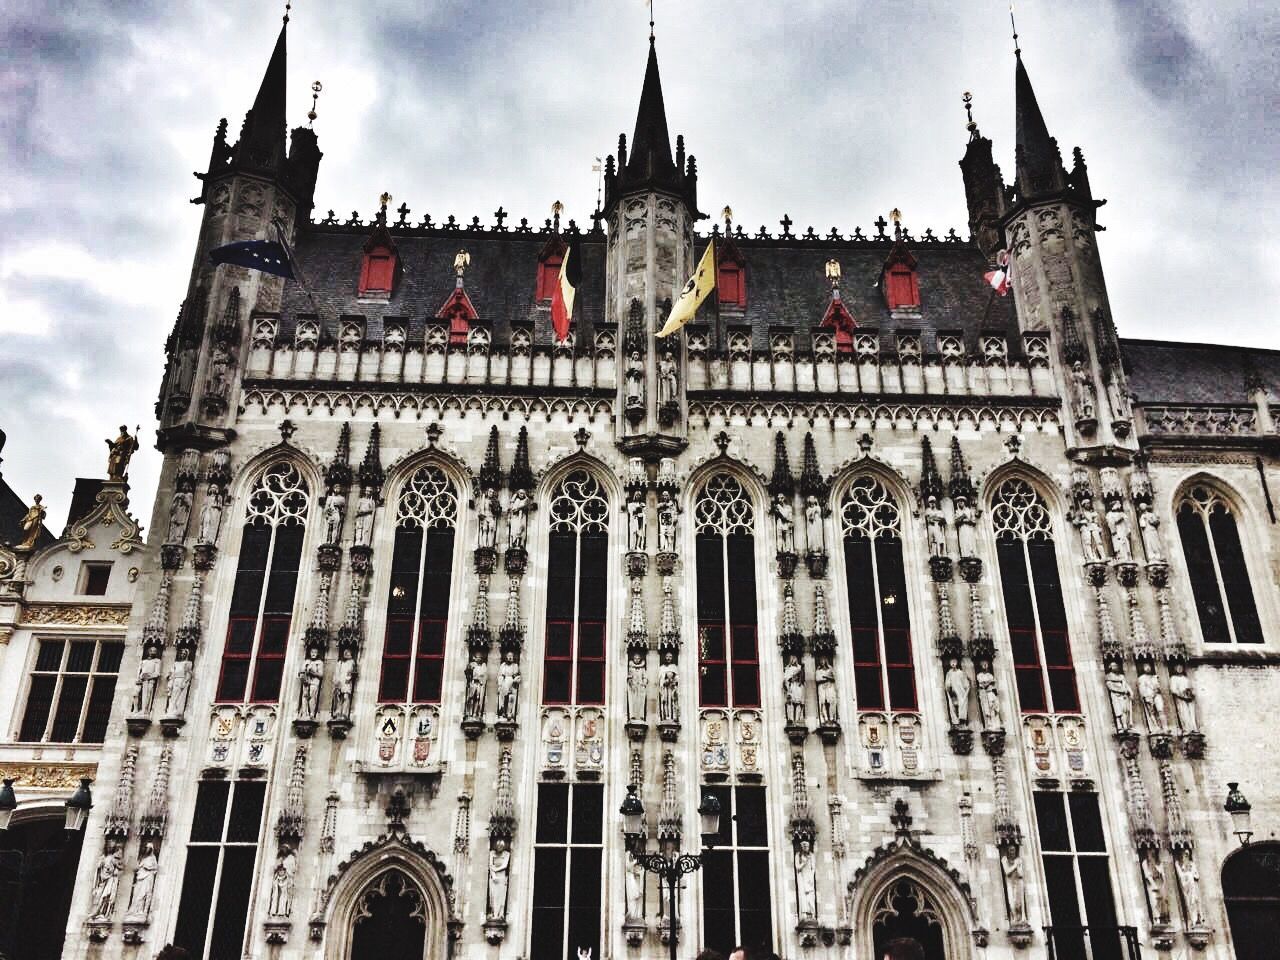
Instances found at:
x=580 y=505
x=723 y=507
x=279 y=497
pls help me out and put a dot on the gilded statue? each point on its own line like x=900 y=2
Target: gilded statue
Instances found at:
x=119 y=452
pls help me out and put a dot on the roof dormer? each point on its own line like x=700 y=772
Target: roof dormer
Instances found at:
x=458 y=310
x=549 y=261
x=899 y=281
x=380 y=268
x=731 y=274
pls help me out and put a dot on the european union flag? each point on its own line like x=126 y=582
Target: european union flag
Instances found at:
x=269 y=256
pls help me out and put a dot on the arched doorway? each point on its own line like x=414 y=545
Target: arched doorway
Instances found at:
x=1251 y=890
x=389 y=920
x=905 y=926
x=37 y=875
x=907 y=903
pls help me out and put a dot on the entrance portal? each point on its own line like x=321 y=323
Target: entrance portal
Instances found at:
x=389 y=920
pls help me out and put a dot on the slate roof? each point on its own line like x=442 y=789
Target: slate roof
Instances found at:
x=1193 y=373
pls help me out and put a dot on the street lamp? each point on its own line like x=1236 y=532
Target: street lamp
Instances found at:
x=8 y=803
x=1239 y=808
x=668 y=866
x=78 y=806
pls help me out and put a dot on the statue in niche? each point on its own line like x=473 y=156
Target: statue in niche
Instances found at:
x=1085 y=391
x=311 y=675
x=487 y=519
x=988 y=697
x=499 y=877
x=219 y=364
x=144 y=885
x=220 y=463
x=668 y=513
x=635 y=380
x=784 y=523
x=1118 y=524
x=31 y=523
x=344 y=682
x=1118 y=398
x=824 y=679
x=668 y=379
x=183 y=373
x=335 y=508
x=1153 y=878
x=1090 y=532
x=634 y=881
x=636 y=532
x=935 y=522
x=517 y=520
x=119 y=452
x=793 y=687
x=806 y=882
x=280 y=903
x=815 y=537
x=1149 y=530
x=210 y=514
x=1121 y=697
x=1184 y=866
x=365 y=507
x=637 y=689
x=966 y=528
x=106 y=882
x=1184 y=698
x=1152 y=699
x=508 y=686
x=179 y=691
x=668 y=689
x=144 y=690
x=477 y=678
x=179 y=516
x=1015 y=884
x=957 y=686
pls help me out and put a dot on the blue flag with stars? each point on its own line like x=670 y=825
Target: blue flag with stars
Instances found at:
x=269 y=256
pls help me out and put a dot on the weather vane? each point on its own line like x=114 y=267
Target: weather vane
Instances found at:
x=1017 y=50
x=288 y=5
x=557 y=208
x=727 y=213
x=315 y=95
x=598 y=169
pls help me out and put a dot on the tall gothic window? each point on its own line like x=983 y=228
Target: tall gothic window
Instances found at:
x=1215 y=563
x=218 y=878
x=735 y=875
x=262 y=599
x=728 y=651
x=1077 y=875
x=418 y=598
x=883 y=668
x=577 y=572
x=568 y=841
x=1033 y=604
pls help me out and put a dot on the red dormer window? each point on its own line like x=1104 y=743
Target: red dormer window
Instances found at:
x=839 y=319
x=900 y=282
x=378 y=271
x=459 y=313
x=731 y=278
x=549 y=261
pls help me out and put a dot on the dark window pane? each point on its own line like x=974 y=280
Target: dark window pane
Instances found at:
x=724 y=795
x=427 y=680
x=588 y=812
x=547 y=922
x=713 y=685
x=553 y=812
x=561 y=567
x=234 y=679
x=80 y=656
x=226 y=942
x=591 y=638
x=39 y=704
x=590 y=682
x=585 y=885
x=1204 y=581
x=717 y=901
x=710 y=561
x=1014 y=585
x=95 y=722
x=742 y=578
x=1057 y=649
x=439 y=574
x=267 y=679
x=893 y=585
x=1062 y=687
x=1030 y=690
x=559 y=638
x=275 y=635
x=867 y=688
x=897 y=647
x=96 y=578
x=1100 y=909
x=240 y=634
x=1051 y=821
x=50 y=655
x=746 y=685
x=394 y=684
x=246 y=811
x=246 y=595
x=210 y=811
x=753 y=900
x=593 y=574
x=902 y=688
x=555 y=686
x=752 y=822
x=1044 y=567
x=1060 y=879
x=66 y=718
x=860 y=583
x=1235 y=577
x=399 y=637
x=1025 y=652
x=109 y=657
x=431 y=638
x=711 y=642
x=1086 y=823
x=197 y=895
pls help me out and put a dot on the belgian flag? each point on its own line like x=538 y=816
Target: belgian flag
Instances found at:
x=566 y=290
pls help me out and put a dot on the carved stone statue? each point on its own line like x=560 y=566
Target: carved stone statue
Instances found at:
x=477 y=678
x=1118 y=524
x=210 y=514
x=144 y=885
x=668 y=513
x=1149 y=530
x=517 y=520
x=344 y=681
x=668 y=690
x=1184 y=698
x=806 y=882
x=815 y=538
x=636 y=526
x=1015 y=884
x=784 y=523
x=668 y=379
x=793 y=687
x=1085 y=391
x=508 y=686
x=634 y=882
x=1154 y=878
x=1118 y=398
x=335 y=508
x=966 y=528
x=144 y=689
x=32 y=522
x=1121 y=697
x=280 y=903
x=179 y=691
x=365 y=507
x=1152 y=700
x=1090 y=532
x=179 y=516
x=935 y=522
x=106 y=883
x=219 y=363
x=635 y=380
x=487 y=519
x=184 y=371
x=988 y=697
x=637 y=689
x=824 y=679
x=1184 y=865
x=119 y=452
x=311 y=676
x=499 y=877
x=957 y=685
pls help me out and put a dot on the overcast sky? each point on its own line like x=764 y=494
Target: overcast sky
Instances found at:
x=831 y=111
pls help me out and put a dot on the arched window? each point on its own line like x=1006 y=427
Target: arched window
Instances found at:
x=262 y=599
x=418 y=598
x=1033 y=604
x=1215 y=563
x=906 y=926
x=390 y=920
x=577 y=571
x=728 y=653
x=883 y=667
x=1251 y=889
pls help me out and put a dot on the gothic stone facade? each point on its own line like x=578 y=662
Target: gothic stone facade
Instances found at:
x=964 y=608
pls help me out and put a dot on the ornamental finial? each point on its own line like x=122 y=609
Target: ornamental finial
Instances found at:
x=315 y=95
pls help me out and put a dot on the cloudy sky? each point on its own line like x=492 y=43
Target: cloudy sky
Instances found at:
x=831 y=111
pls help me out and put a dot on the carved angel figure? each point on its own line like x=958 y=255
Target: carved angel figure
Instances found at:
x=1015 y=884
x=636 y=526
x=988 y=697
x=668 y=690
x=815 y=538
x=365 y=508
x=1184 y=865
x=966 y=528
x=806 y=882
x=280 y=903
x=634 y=881
x=1118 y=524
x=637 y=689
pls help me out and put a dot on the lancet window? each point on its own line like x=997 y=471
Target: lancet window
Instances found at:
x=1215 y=563
x=568 y=844
x=262 y=599
x=1033 y=604
x=883 y=665
x=736 y=904
x=418 y=597
x=577 y=603
x=728 y=649
x=1077 y=874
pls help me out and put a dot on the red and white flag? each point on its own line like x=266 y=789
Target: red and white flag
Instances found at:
x=998 y=278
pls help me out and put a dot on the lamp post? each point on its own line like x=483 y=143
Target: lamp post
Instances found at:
x=668 y=866
x=78 y=806
x=8 y=803
x=1241 y=818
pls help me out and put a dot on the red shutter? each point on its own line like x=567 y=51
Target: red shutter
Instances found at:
x=548 y=276
x=902 y=289
x=377 y=272
x=729 y=286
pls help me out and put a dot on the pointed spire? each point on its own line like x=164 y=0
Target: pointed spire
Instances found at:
x=1142 y=648
x=961 y=485
x=188 y=634
x=981 y=646
x=802 y=824
x=262 y=137
x=118 y=819
x=668 y=626
x=812 y=483
x=1175 y=819
x=157 y=625
x=371 y=472
x=1173 y=646
x=983 y=186
x=781 y=481
x=319 y=629
x=1140 y=819
x=491 y=469
x=930 y=478
x=947 y=632
x=502 y=822
x=289 y=825
x=790 y=617
x=824 y=638
x=478 y=635
x=156 y=816
x=339 y=472
x=1039 y=164
x=670 y=822
x=512 y=637
x=1072 y=348
x=521 y=475
x=651 y=143
x=638 y=628
x=1107 y=638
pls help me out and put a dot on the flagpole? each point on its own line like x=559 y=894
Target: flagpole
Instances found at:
x=298 y=275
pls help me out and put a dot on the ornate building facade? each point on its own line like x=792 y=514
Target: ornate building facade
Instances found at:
x=963 y=608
